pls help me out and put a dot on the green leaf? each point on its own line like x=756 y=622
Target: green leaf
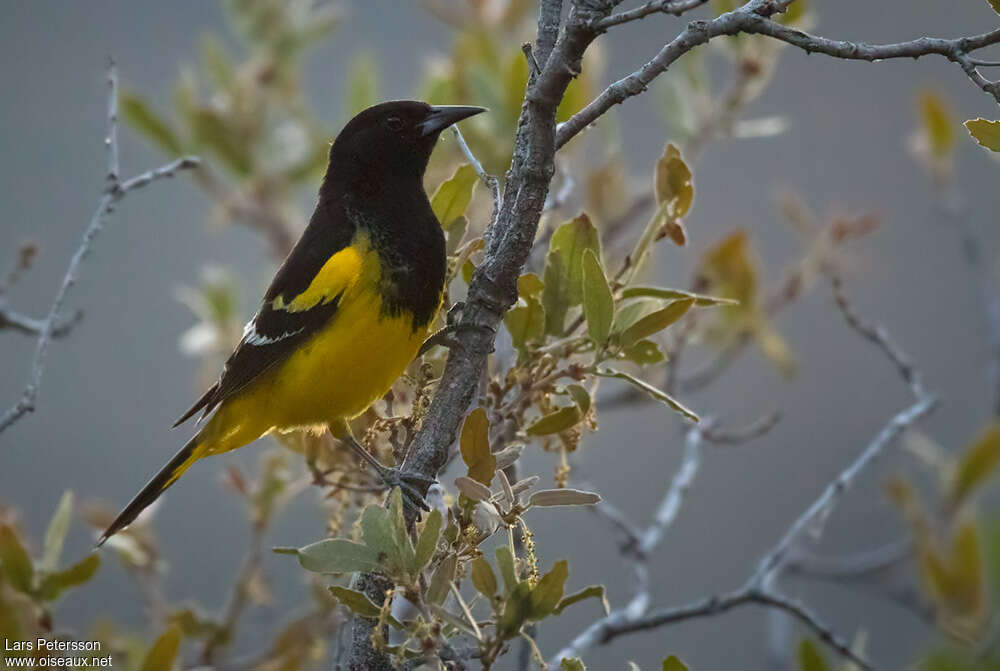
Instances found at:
x=155 y=128
x=441 y=580
x=216 y=61
x=565 y=496
x=517 y=609
x=598 y=304
x=162 y=655
x=378 y=535
x=337 y=555
x=483 y=577
x=985 y=132
x=672 y=183
x=580 y=396
x=644 y=353
x=428 y=540
x=554 y=422
x=657 y=394
x=453 y=196
x=359 y=604
x=505 y=562
x=655 y=322
x=700 y=300
x=362 y=82
x=55 y=535
x=633 y=312
x=547 y=594
x=79 y=573
x=475 y=447
x=810 y=658
x=671 y=663
x=976 y=465
x=938 y=124
x=571 y=664
x=995 y=4
x=564 y=270
x=591 y=592
x=408 y=554
x=14 y=561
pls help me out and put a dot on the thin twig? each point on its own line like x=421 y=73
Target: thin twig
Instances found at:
x=115 y=191
x=489 y=180
x=744 y=434
x=675 y=7
x=749 y=19
x=852 y=566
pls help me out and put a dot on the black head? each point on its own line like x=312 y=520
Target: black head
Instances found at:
x=394 y=138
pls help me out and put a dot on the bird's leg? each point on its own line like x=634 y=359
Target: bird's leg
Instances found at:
x=409 y=483
x=446 y=336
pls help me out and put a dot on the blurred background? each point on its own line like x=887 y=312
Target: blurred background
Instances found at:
x=845 y=147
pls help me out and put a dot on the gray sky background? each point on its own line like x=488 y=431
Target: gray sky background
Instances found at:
x=113 y=388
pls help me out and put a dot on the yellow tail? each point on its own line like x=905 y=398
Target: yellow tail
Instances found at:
x=195 y=449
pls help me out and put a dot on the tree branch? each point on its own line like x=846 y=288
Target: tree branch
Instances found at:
x=675 y=7
x=53 y=323
x=759 y=587
x=494 y=284
x=752 y=18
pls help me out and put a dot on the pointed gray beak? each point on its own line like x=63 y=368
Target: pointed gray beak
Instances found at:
x=442 y=116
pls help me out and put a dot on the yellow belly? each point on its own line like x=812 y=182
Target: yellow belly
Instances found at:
x=334 y=376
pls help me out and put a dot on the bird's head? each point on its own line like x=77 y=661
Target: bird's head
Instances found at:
x=393 y=138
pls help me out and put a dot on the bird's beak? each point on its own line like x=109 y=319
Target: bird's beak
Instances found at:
x=442 y=116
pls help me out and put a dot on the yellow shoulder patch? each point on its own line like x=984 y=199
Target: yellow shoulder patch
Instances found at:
x=336 y=276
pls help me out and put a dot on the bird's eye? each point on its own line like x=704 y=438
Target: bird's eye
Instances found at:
x=394 y=123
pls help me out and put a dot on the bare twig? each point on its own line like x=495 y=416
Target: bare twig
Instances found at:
x=849 y=566
x=675 y=7
x=752 y=18
x=31 y=326
x=744 y=434
x=759 y=587
x=115 y=191
x=238 y=599
x=489 y=180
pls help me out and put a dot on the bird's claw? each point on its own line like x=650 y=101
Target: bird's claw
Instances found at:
x=410 y=484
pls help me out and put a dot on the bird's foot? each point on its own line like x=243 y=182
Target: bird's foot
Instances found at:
x=410 y=485
x=446 y=337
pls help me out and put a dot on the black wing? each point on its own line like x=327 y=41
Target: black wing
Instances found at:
x=273 y=334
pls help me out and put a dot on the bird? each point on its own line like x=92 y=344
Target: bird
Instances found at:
x=347 y=310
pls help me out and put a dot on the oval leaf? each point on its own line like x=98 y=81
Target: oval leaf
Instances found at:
x=337 y=555
x=359 y=604
x=658 y=394
x=547 y=594
x=428 y=540
x=55 y=535
x=453 y=196
x=475 y=447
x=14 y=561
x=563 y=497
x=554 y=422
x=656 y=322
x=598 y=304
x=483 y=577
x=164 y=651
x=563 y=277
x=473 y=489
x=985 y=132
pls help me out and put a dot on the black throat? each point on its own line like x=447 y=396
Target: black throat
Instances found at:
x=402 y=228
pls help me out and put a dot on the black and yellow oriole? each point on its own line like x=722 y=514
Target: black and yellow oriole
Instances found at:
x=348 y=309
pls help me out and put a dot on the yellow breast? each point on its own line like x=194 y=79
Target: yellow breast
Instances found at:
x=337 y=374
